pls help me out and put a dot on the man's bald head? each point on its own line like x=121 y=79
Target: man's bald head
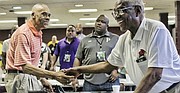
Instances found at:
x=39 y=7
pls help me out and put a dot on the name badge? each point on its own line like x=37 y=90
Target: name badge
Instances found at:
x=101 y=56
x=67 y=58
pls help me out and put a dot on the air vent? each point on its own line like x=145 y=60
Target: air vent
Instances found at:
x=108 y=9
x=86 y=14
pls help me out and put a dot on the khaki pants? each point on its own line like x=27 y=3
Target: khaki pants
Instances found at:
x=21 y=83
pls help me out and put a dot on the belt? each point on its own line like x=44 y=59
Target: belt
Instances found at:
x=14 y=71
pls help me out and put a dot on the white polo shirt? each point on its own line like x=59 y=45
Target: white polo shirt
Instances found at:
x=5 y=46
x=154 y=43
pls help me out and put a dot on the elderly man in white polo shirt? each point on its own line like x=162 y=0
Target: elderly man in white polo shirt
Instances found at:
x=146 y=50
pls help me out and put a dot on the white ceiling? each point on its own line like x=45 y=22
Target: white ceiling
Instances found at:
x=59 y=10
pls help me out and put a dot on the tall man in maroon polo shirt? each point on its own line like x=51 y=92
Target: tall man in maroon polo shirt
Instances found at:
x=24 y=53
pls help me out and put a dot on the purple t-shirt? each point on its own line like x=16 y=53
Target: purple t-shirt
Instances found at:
x=66 y=52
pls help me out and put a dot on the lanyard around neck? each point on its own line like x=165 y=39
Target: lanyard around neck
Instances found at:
x=100 y=43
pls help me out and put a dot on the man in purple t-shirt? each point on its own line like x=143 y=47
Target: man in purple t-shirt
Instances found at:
x=66 y=49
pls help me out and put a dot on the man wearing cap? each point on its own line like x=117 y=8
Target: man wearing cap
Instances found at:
x=95 y=48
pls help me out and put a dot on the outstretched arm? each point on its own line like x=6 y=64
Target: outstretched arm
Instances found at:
x=59 y=76
x=101 y=67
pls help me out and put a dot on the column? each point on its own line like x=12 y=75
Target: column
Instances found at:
x=164 y=18
x=177 y=24
x=21 y=20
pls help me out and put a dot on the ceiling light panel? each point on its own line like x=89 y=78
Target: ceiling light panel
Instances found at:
x=148 y=8
x=23 y=12
x=82 y=10
x=84 y=19
x=78 y=5
x=90 y=24
x=16 y=7
x=171 y=17
x=8 y=21
x=2 y=13
x=54 y=20
x=57 y=24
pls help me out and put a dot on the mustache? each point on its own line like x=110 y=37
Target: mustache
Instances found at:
x=45 y=19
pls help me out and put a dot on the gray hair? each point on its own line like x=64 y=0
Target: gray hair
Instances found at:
x=133 y=2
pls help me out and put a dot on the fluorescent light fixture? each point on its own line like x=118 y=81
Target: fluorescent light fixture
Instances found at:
x=90 y=24
x=57 y=24
x=87 y=19
x=54 y=20
x=82 y=10
x=23 y=12
x=171 y=22
x=8 y=21
x=148 y=8
x=2 y=13
x=78 y=5
x=17 y=7
x=171 y=17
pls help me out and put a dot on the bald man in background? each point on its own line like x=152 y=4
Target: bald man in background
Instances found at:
x=79 y=31
x=52 y=44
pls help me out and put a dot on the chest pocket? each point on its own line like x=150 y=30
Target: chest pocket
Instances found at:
x=142 y=55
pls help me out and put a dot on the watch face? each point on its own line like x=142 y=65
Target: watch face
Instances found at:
x=119 y=71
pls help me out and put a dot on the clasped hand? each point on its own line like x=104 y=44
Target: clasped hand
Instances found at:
x=71 y=72
x=63 y=78
x=74 y=72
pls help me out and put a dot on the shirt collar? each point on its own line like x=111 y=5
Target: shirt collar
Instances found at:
x=104 y=35
x=65 y=40
x=33 y=29
x=141 y=29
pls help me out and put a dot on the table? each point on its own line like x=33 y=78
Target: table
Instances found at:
x=55 y=82
x=103 y=92
x=68 y=87
x=81 y=81
x=129 y=85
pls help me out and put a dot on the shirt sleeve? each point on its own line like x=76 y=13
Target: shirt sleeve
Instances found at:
x=57 y=49
x=115 y=58
x=22 y=51
x=79 y=52
x=162 y=50
x=4 y=46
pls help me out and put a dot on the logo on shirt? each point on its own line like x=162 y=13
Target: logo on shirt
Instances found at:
x=142 y=56
x=90 y=41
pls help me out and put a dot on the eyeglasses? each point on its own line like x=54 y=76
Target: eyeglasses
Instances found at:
x=118 y=12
